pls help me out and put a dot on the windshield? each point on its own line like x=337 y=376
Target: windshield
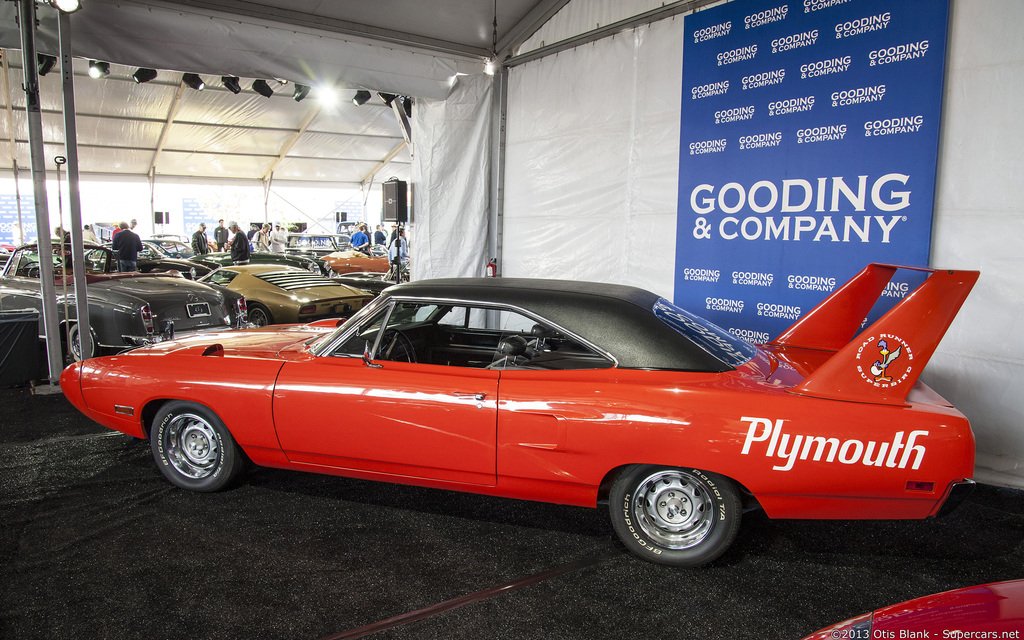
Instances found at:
x=718 y=342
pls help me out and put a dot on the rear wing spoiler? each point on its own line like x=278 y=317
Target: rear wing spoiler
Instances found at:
x=884 y=362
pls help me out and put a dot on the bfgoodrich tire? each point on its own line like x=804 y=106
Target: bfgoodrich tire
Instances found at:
x=193 y=448
x=678 y=517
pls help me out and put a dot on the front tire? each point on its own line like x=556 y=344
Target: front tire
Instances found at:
x=193 y=448
x=678 y=517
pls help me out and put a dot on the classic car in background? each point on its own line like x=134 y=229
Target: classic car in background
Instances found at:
x=154 y=258
x=277 y=294
x=223 y=259
x=317 y=244
x=172 y=246
x=125 y=309
x=351 y=261
x=370 y=281
x=574 y=393
x=993 y=610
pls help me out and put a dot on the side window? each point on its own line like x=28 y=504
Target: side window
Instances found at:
x=532 y=345
x=464 y=336
x=222 y=277
x=357 y=343
x=96 y=260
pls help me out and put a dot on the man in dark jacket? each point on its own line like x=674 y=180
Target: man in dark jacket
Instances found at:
x=127 y=245
x=200 y=244
x=239 y=245
x=220 y=235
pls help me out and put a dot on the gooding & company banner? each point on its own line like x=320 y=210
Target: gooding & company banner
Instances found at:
x=809 y=136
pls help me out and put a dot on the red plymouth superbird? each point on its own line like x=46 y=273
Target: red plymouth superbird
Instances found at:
x=573 y=393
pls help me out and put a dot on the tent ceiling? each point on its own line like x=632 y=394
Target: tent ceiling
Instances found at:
x=407 y=47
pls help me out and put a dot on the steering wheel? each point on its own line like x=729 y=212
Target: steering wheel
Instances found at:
x=397 y=347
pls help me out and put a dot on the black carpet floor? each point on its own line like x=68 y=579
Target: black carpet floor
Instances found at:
x=95 y=544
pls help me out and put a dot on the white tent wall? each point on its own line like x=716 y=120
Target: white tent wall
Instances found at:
x=591 y=161
x=979 y=224
x=451 y=170
x=590 y=187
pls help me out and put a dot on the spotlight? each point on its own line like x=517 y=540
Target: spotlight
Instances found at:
x=388 y=98
x=301 y=91
x=67 y=6
x=231 y=84
x=489 y=67
x=144 y=75
x=46 y=63
x=360 y=98
x=327 y=97
x=99 y=69
x=261 y=87
x=193 y=81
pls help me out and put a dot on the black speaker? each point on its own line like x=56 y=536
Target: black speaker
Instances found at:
x=396 y=208
x=161 y=217
x=340 y=216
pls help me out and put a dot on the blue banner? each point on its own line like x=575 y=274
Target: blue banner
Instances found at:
x=809 y=136
x=9 y=219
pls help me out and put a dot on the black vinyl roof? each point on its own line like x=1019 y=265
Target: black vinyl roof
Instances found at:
x=617 y=318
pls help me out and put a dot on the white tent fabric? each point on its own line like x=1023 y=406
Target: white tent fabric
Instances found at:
x=593 y=146
x=152 y=34
x=590 y=188
x=451 y=170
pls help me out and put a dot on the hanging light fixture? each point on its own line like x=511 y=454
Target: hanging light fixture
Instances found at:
x=143 y=75
x=67 y=6
x=193 y=81
x=388 y=98
x=301 y=91
x=360 y=98
x=231 y=84
x=99 y=69
x=46 y=63
x=261 y=87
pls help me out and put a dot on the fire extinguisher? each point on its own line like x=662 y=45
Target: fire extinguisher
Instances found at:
x=492 y=268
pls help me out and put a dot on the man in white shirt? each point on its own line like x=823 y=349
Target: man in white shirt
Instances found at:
x=278 y=239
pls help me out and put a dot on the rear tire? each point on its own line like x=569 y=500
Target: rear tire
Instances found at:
x=73 y=349
x=678 y=517
x=193 y=448
x=259 y=315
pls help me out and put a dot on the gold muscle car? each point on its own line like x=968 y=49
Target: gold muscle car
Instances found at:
x=277 y=294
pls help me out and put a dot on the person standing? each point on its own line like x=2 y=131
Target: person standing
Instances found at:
x=89 y=236
x=220 y=235
x=127 y=245
x=278 y=239
x=379 y=237
x=261 y=241
x=200 y=244
x=399 y=248
x=361 y=241
x=239 y=245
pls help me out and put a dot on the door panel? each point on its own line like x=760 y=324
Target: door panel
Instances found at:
x=418 y=420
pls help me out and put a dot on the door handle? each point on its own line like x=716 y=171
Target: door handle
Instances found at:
x=475 y=395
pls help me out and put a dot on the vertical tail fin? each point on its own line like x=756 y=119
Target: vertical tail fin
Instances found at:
x=882 y=364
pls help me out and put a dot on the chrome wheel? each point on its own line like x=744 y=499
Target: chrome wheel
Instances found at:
x=673 y=510
x=192 y=446
x=679 y=517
